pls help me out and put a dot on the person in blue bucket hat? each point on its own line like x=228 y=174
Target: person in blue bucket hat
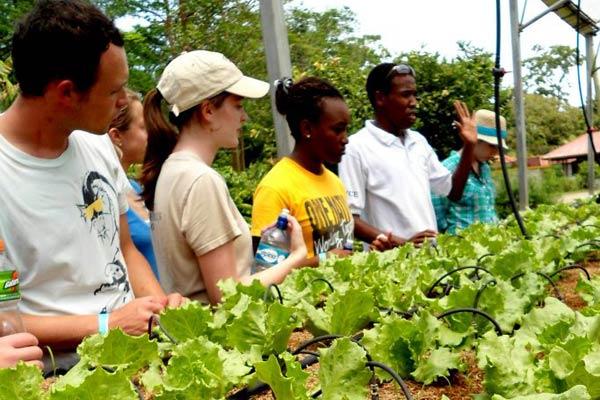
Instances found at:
x=478 y=202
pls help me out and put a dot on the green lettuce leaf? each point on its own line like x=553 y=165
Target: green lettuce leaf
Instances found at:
x=343 y=372
x=290 y=386
x=437 y=363
x=21 y=382
x=119 y=350
x=100 y=385
x=344 y=313
x=268 y=326
x=189 y=321
x=206 y=364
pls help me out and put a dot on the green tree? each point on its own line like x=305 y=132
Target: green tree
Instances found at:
x=468 y=77
x=547 y=71
x=10 y=12
x=549 y=123
x=318 y=41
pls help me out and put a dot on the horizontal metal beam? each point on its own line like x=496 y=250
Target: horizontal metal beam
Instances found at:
x=584 y=24
x=555 y=6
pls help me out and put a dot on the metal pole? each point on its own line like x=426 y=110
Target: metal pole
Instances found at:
x=277 y=48
x=589 y=57
x=519 y=107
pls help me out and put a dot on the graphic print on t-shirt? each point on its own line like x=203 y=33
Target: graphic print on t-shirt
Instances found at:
x=100 y=212
x=97 y=209
x=331 y=222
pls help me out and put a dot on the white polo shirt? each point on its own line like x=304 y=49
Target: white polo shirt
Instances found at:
x=389 y=183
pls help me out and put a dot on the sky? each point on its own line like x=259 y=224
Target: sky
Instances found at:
x=437 y=25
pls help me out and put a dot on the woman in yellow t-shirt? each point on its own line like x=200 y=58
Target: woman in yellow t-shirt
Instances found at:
x=318 y=118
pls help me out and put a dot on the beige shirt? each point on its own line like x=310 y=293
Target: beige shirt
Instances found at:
x=194 y=214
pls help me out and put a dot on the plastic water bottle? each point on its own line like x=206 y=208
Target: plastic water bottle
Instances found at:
x=10 y=317
x=274 y=246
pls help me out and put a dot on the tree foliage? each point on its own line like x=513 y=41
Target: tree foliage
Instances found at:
x=549 y=123
x=10 y=12
x=547 y=71
x=468 y=77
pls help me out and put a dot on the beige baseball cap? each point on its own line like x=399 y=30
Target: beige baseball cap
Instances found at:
x=199 y=75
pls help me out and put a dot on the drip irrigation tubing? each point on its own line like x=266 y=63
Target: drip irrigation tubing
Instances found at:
x=269 y=294
x=491 y=282
x=484 y=256
x=547 y=277
x=430 y=293
x=326 y=281
x=310 y=359
x=572 y=266
x=586 y=119
x=155 y=319
x=394 y=375
x=473 y=311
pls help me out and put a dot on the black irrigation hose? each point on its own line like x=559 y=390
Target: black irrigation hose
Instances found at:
x=474 y=311
x=547 y=277
x=394 y=375
x=268 y=293
x=310 y=353
x=310 y=359
x=430 y=293
x=408 y=314
x=326 y=281
x=585 y=114
x=552 y=235
x=314 y=340
x=572 y=266
x=371 y=364
x=154 y=319
x=593 y=242
x=491 y=282
x=590 y=226
x=484 y=256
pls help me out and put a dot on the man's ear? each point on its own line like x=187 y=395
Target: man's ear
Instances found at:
x=64 y=92
x=380 y=98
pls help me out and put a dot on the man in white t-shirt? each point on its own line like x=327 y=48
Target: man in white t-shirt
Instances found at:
x=390 y=170
x=63 y=197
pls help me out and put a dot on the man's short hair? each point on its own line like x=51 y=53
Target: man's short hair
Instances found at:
x=61 y=39
x=380 y=78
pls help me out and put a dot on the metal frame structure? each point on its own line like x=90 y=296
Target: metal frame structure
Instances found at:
x=277 y=48
x=568 y=12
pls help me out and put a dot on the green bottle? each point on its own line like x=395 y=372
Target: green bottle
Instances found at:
x=10 y=317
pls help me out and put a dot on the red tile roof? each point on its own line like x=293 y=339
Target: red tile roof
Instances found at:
x=575 y=148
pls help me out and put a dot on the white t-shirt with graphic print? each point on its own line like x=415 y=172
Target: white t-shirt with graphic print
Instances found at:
x=59 y=219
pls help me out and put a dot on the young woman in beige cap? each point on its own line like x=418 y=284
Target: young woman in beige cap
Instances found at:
x=199 y=235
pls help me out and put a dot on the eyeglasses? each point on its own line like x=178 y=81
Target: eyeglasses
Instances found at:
x=400 y=69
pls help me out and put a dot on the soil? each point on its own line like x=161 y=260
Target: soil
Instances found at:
x=568 y=281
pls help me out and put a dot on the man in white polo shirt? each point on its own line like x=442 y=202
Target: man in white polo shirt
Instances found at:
x=390 y=170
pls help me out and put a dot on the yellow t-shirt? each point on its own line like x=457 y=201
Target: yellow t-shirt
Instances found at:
x=318 y=202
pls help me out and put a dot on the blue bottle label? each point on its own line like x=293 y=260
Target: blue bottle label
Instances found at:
x=269 y=255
